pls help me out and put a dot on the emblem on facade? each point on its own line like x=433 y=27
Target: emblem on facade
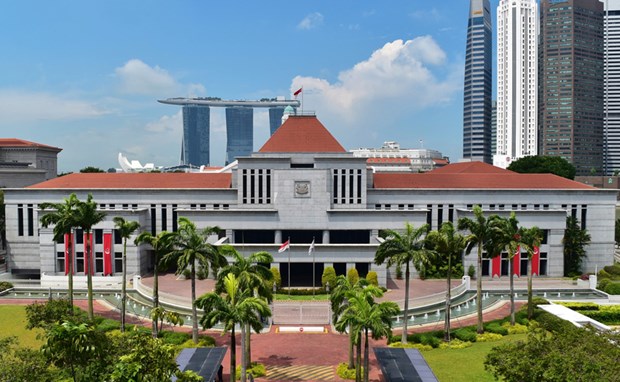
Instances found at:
x=302 y=189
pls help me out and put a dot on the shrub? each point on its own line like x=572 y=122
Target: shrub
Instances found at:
x=187 y=273
x=613 y=269
x=465 y=335
x=552 y=323
x=353 y=276
x=372 y=278
x=516 y=329
x=488 y=337
x=602 y=284
x=203 y=342
x=399 y=271
x=107 y=325
x=456 y=344
x=277 y=279
x=603 y=274
x=612 y=288
x=495 y=327
x=344 y=372
x=580 y=305
x=329 y=276
x=4 y=285
x=202 y=273
x=302 y=292
x=410 y=346
x=471 y=271
x=430 y=340
x=173 y=338
x=257 y=370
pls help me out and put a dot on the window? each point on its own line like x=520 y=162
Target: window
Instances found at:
x=98 y=262
x=543 y=264
x=20 y=220
x=164 y=217
x=118 y=262
x=30 y=220
x=153 y=220
x=60 y=261
x=98 y=236
x=79 y=262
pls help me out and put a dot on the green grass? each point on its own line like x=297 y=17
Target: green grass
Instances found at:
x=13 y=323
x=464 y=365
x=284 y=297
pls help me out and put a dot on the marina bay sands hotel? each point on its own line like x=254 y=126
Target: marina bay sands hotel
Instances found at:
x=239 y=125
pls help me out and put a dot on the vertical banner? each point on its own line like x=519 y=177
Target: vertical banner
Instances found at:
x=496 y=266
x=68 y=252
x=536 y=261
x=88 y=253
x=107 y=254
x=516 y=263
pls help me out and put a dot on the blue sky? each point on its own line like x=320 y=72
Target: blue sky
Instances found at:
x=85 y=75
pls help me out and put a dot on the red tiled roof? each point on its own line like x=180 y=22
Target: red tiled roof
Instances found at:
x=471 y=168
x=389 y=160
x=508 y=180
x=441 y=161
x=140 y=180
x=302 y=134
x=14 y=142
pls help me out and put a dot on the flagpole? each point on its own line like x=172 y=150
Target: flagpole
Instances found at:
x=289 y=266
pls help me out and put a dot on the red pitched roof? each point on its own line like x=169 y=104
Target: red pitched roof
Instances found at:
x=137 y=181
x=14 y=142
x=471 y=168
x=302 y=134
x=508 y=180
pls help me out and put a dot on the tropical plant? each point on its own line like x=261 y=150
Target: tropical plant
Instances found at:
x=253 y=275
x=87 y=216
x=507 y=236
x=402 y=249
x=532 y=238
x=191 y=249
x=235 y=306
x=446 y=242
x=64 y=219
x=125 y=229
x=575 y=240
x=162 y=244
x=480 y=233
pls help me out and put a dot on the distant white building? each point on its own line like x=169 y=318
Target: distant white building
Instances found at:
x=23 y=163
x=517 y=73
x=391 y=158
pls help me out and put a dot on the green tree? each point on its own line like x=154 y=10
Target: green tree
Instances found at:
x=125 y=229
x=87 y=216
x=235 y=306
x=543 y=165
x=277 y=278
x=532 y=238
x=507 y=236
x=191 y=249
x=328 y=276
x=64 y=219
x=398 y=249
x=23 y=365
x=161 y=244
x=91 y=169
x=353 y=275
x=479 y=238
x=252 y=275
x=339 y=303
x=446 y=242
x=575 y=240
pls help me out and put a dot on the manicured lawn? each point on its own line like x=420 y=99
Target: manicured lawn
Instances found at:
x=13 y=323
x=464 y=365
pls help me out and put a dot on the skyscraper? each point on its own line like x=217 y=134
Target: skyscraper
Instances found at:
x=478 y=84
x=612 y=86
x=195 y=144
x=570 y=111
x=516 y=81
x=275 y=118
x=239 y=132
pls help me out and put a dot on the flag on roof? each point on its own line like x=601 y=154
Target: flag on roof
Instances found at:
x=311 y=249
x=286 y=245
x=298 y=91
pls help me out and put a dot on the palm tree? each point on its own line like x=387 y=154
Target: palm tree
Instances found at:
x=87 y=217
x=253 y=275
x=507 y=236
x=405 y=248
x=125 y=229
x=480 y=233
x=191 y=248
x=532 y=238
x=161 y=244
x=339 y=303
x=64 y=220
x=235 y=306
x=446 y=241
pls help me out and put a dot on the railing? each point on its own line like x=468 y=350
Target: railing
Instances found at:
x=433 y=298
x=164 y=298
x=301 y=313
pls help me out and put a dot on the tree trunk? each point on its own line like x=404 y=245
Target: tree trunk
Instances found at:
x=155 y=294
x=243 y=354
x=530 y=308
x=446 y=333
x=358 y=361
x=194 y=311
x=366 y=362
x=480 y=328
x=247 y=348
x=512 y=290
x=124 y=286
x=351 y=343
x=89 y=277
x=233 y=356
x=406 y=317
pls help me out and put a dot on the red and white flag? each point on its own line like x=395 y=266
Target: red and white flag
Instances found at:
x=286 y=245
x=298 y=91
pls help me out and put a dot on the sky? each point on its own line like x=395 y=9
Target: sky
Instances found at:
x=85 y=76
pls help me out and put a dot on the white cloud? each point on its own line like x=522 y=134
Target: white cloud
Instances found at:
x=311 y=21
x=136 y=77
x=24 y=106
x=167 y=123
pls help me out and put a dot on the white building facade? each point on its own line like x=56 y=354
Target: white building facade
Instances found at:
x=517 y=72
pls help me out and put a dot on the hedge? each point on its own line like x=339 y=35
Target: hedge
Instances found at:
x=612 y=288
x=465 y=334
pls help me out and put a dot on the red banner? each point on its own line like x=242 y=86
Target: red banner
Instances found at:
x=68 y=252
x=536 y=262
x=107 y=254
x=496 y=266
x=88 y=253
x=516 y=263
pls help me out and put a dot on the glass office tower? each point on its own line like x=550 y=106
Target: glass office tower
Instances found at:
x=239 y=132
x=195 y=145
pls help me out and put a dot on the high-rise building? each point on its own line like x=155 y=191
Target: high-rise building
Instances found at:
x=612 y=86
x=275 y=118
x=478 y=84
x=570 y=99
x=517 y=135
x=494 y=126
x=239 y=132
x=195 y=144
